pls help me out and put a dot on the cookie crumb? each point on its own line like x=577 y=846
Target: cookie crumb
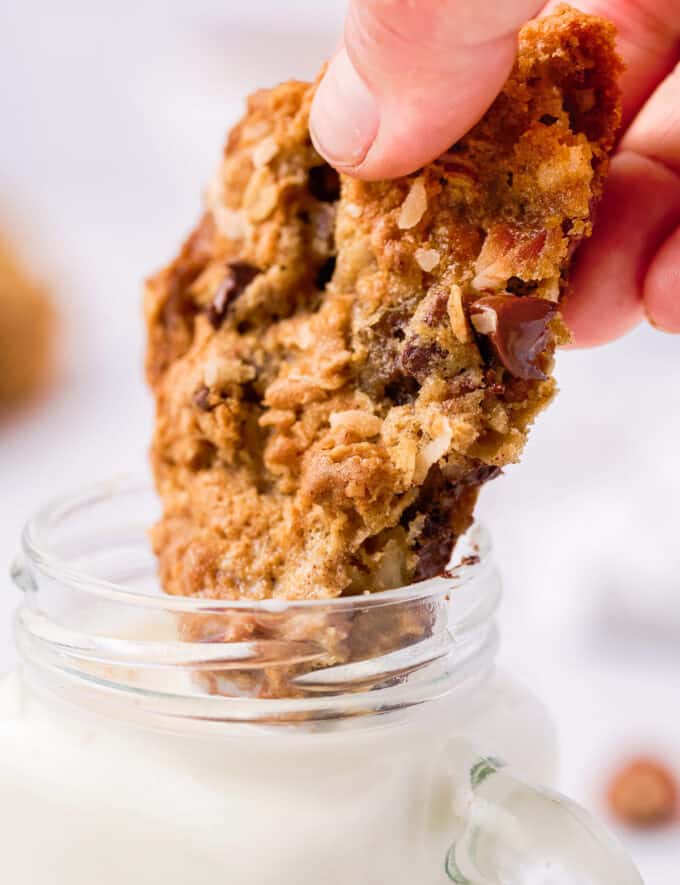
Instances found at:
x=643 y=793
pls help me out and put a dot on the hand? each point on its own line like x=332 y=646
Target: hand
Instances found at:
x=412 y=76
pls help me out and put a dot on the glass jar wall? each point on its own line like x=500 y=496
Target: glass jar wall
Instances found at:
x=148 y=738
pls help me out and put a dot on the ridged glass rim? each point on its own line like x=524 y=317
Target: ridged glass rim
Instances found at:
x=36 y=547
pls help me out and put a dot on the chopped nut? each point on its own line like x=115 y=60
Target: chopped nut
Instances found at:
x=427 y=259
x=486 y=321
x=456 y=313
x=357 y=421
x=643 y=793
x=414 y=206
x=354 y=210
x=265 y=151
x=509 y=252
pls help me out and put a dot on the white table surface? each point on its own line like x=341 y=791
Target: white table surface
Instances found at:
x=113 y=121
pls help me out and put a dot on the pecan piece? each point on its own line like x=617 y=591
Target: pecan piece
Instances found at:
x=518 y=329
x=643 y=793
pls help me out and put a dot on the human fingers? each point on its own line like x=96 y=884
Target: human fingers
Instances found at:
x=411 y=78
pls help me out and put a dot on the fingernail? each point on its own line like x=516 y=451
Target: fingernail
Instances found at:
x=344 y=116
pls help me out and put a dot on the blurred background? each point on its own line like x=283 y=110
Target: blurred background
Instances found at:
x=114 y=117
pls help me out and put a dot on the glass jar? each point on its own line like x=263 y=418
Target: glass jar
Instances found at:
x=154 y=739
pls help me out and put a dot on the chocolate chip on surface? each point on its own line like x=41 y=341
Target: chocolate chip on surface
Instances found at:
x=324 y=183
x=201 y=399
x=519 y=333
x=417 y=358
x=239 y=275
x=325 y=273
x=439 y=500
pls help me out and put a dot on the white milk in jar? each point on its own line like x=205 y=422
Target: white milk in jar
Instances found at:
x=136 y=751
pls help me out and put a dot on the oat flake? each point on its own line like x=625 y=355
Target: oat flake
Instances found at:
x=414 y=206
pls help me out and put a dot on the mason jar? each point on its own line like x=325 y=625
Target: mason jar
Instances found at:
x=147 y=739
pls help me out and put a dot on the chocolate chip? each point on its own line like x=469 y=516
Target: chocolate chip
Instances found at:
x=325 y=273
x=521 y=331
x=201 y=399
x=439 y=499
x=324 y=183
x=402 y=391
x=437 y=541
x=239 y=275
x=417 y=358
x=519 y=287
x=479 y=475
x=547 y=120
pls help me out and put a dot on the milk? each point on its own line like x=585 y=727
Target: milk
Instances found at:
x=86 y=799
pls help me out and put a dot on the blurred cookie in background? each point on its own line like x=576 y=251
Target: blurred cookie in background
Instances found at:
x=26 y=330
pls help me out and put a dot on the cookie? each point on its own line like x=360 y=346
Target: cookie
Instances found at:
x=26 y=322
x=339 y=366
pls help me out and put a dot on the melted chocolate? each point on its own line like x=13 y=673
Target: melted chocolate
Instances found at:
x=522 y=332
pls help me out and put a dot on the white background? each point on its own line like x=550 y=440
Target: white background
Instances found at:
x=113 y=118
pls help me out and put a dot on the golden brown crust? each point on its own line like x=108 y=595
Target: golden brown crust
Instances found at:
x=26 y=325
x=339 y=365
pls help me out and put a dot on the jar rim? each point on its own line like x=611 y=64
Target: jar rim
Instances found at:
x=36 y=547
x=86 y=630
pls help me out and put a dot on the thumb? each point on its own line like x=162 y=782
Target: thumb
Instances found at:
x=411 y=78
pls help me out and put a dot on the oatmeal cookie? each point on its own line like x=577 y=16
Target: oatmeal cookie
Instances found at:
x=26 y=323
x=339 y=366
